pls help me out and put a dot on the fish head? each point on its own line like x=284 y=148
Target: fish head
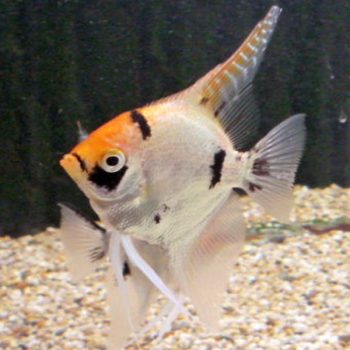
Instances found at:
x=106 y=165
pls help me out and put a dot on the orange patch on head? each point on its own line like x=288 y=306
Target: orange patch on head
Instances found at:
x=120 y=132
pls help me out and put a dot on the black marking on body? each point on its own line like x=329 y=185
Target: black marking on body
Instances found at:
x=81 y=162
x=220 y=108
x=217 y=166
x=157 y=218
x=140 y=119
x=253 y=187
x=165 y=208
x=261 y=167
x=126 y=269
x=96 y=254
x=108 y=180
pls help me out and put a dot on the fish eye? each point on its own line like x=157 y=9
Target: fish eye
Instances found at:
x=113 y=161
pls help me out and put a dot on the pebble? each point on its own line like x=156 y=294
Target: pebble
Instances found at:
x=185 y=341
x=289 y=291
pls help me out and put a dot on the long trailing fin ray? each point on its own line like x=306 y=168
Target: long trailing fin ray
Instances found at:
x=151 y=274
x=140 y=292
x=120 y=328
x=205 y=272
x=272 y=164
x=169 y=319
x=164 y=312
x=117 y=259
x=85 y=242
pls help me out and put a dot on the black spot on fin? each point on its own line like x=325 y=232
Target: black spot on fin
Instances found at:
x=261 y=167
x=126 y=269
x=220 y=108
x=253 y=187
x=140 y=119
x=96 y=254
x=239 y=191
x=85 y=242
x=204 y=101
x=216 y=167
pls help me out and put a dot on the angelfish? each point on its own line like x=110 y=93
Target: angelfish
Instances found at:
x=164 y=174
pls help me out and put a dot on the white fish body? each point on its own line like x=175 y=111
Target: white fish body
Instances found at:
x=164 y=174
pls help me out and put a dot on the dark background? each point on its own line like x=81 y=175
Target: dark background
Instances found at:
x=63 y=61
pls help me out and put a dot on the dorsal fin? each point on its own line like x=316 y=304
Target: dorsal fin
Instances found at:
x=231 y=77
x=226 y=91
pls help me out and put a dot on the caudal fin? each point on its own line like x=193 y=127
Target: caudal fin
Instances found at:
x=272 y=164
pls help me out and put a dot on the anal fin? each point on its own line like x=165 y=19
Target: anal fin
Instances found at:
x=205 y=274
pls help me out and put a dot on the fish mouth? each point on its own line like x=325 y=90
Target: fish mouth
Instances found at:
x=73 y=166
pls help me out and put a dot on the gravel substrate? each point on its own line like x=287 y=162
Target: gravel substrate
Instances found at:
x=290 y=291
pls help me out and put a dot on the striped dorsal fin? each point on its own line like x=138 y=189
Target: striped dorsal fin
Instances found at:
x=227 y=89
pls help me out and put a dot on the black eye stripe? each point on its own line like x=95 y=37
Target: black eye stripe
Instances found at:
x=105 y=179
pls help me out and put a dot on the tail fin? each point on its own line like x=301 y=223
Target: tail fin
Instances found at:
x=272 y=165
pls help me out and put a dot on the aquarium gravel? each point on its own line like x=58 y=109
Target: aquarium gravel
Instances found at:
x=290 y=289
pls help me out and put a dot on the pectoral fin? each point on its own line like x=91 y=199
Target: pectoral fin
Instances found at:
x=85 y=242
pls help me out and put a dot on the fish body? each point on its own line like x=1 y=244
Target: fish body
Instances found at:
x=163 y=174
x=178 y=189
